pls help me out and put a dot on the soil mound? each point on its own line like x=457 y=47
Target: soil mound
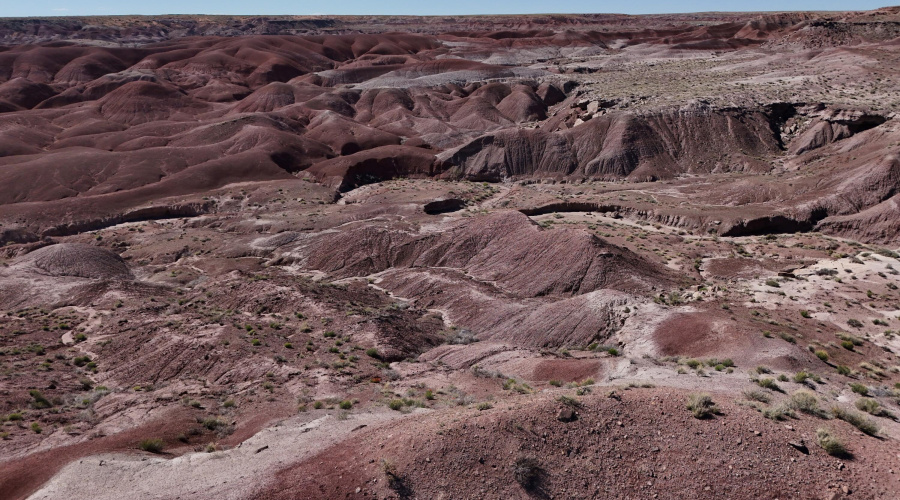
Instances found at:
x=83 y=261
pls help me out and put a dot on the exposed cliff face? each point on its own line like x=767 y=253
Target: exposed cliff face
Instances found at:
x=646 y=146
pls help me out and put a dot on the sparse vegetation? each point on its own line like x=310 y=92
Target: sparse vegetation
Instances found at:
x=152 y=445
x=860 y=389
x=701 y=406
x=768 y=383
x=830 y=443
x=857 y=420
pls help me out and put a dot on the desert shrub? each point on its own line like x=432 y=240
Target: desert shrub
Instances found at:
x=767 y=383
x=566 y=400
x=778 y=412
x=788 y=337
x=701 y=406
x=855 y=419
x=801 y=377
x=693 y=363
x=872 y=407
x=843 y=370
x=395 y=404
x=153 y=445
x=822 y=355
x=39 y=401
x=763 y=370
x=755 y=395
x=36 y=428
x=527 y=472
x=830 y=443
x=346 y=405
x=855 y=323
x=484 y=406
x=373 y=353
x=773 y=283
x=806 y=402
x=212 y=423
x=860 y=389
x=805 y=314
x=555 y=383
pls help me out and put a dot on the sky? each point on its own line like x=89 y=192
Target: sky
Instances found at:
x=43 y=8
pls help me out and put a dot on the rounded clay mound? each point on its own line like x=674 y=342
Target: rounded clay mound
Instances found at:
x=85 y=261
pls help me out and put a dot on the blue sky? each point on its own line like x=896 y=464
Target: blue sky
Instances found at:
x=16 y=8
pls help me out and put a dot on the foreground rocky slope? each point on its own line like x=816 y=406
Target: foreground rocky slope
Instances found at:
x=485 y=257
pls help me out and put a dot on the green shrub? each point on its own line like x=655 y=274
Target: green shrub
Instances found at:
x=212 y=423
x=40 y=401
x=806 y=402
x=778 y=412
x=801 y=377
x=831 y=444
x=373 y=353
x=755 y=395
x=787 y=337
x=773 y=283
x=318 y=405
x=855 y=323
x=36 y=428
x=555 y=383
x=822 y=355
x=843 y=370
x=346 y=405
x=767 y=383
x=846 y=344
x=805 y=314
x=485 y=406
x=860 y=389
x=153 y=445
x=872 y=407
x=395 y=404
x=701 y=406
x=856 y=419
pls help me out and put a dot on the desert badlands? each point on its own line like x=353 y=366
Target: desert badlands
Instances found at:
x=492 y=257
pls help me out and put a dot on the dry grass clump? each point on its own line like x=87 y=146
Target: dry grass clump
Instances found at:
x=830 y=443
x=701 y=406
x=855 y=419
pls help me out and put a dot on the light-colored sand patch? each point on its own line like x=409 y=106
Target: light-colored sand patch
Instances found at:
x=222 y=475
